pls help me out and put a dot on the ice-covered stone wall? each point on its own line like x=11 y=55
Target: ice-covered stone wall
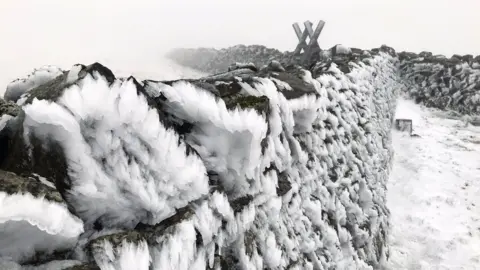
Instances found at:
x=444 y=83
x=272 y=168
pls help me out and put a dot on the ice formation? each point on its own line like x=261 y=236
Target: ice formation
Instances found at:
x=270 y=168
x=33 y=219
x=38 y=77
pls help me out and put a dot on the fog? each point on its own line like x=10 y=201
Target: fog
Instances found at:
x=131 y=36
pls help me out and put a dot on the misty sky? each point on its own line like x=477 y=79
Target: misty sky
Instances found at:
x=132 y=35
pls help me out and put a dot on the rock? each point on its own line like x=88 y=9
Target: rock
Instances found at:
x=35 y=157
x=53 y=89
x=239 y=204
x=8 y=107
x=456 y=59
x=388 y=50
x=275 y=66
x=284 y=185
x=11 y=183
x=85 y=266
x=260 y=104
x=25 y=203
x=37 y=78
x=425 y=54
x=340 y=50
x=407 y=56
x=237 y=65
x=299 y=86
x=48 y=157
x=467 y=58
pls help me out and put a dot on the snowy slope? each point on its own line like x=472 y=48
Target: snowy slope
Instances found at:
x=434 y=193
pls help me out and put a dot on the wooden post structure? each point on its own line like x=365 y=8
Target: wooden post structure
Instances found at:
x=312 y=45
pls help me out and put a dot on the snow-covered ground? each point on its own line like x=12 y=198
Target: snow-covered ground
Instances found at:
x=434 y=193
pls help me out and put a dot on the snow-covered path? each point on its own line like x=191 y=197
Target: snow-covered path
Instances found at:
x=434 y=193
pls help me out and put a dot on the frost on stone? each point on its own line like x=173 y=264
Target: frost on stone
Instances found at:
x=34 y=221
x=277 y=168
x=38 y=77
x=8 y=111
x=320 y=141
x=138 y=170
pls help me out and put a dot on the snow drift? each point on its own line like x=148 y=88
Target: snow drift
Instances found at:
x=276 y=168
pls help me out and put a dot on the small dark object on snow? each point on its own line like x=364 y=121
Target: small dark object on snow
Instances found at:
x=404 y=125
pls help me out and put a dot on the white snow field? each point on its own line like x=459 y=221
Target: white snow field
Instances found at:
x=434 y=192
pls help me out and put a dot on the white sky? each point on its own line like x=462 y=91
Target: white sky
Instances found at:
x=131 y=35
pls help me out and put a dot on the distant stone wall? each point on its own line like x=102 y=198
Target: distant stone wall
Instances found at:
x=444 y=83
x=216 y=61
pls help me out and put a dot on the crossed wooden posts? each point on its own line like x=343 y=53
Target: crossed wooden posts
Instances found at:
x=312 y=45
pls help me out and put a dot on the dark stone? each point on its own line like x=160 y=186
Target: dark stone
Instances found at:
x=284 y=184
x=467 y=58
x=149 y=231
x=237 y=65
x=53 y=89
x=299 y=86
x=44 y=257
x=228 y=89
x=249 y=241
x=11 y=183
x=260 y=104
x=208 y=86
x=8 y=107
x=43 y=157
x=388 y=50
x=425 y=54
x=143 y=232
x=116 y=240
x=239 y=204
x=85 y=266
x=336 y=52
x=228 y=261
x=275 y=66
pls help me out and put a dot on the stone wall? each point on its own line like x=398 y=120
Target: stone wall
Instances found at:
x=274 y=168
x=444 y=83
